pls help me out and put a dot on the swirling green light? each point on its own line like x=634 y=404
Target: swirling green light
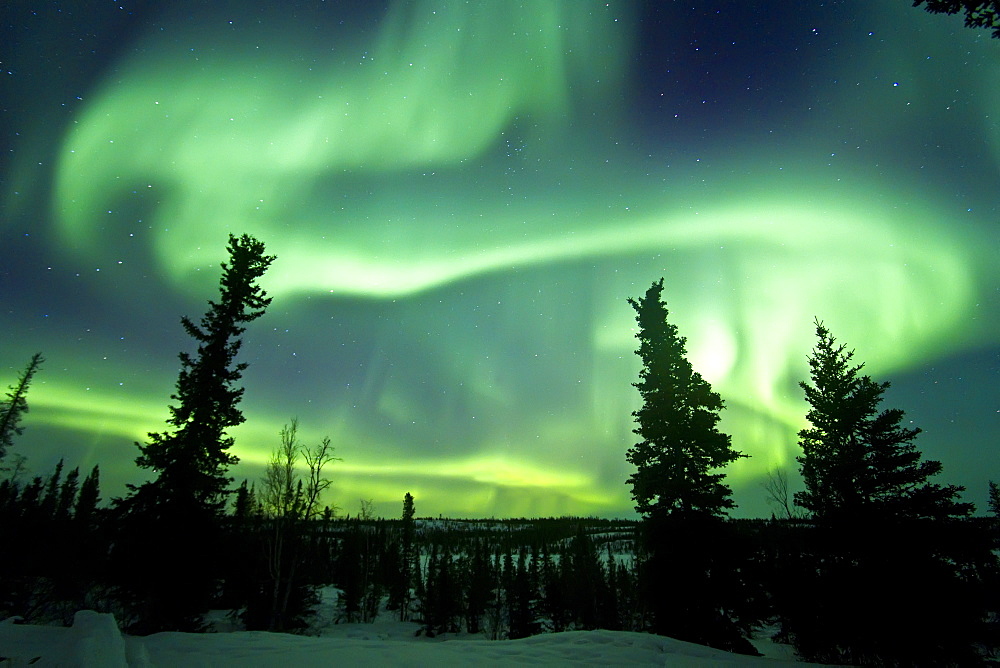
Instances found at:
x=461 y=145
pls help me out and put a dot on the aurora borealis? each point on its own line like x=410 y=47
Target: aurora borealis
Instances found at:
x=461 y=196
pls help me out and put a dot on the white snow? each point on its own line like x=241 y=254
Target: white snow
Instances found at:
x=95 y=641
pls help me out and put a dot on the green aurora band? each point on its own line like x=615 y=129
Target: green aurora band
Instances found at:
x=458 y=146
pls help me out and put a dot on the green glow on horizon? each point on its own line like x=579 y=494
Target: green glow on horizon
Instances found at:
x=95 y=412
x=384 y=175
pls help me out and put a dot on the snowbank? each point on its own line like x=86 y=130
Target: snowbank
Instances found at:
x=94 y=640
x=579 y=648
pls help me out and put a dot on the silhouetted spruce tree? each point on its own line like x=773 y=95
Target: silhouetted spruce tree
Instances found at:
x=681 y=446
x=50 y=500
x=688 y=578
x=891 y=554
x=13 y=408
x=857 y=461
x=171 y=525
x=978 y=13
x=191 y=460
x=245 y=503
x=88 y=498
x=67 y=495
x=399 y=590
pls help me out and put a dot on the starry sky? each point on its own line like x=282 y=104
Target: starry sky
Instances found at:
x=462 y=196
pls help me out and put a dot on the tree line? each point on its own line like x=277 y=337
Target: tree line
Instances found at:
x=870 y=555
x=886 y=566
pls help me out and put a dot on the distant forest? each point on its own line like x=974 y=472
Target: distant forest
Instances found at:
x=872 y=563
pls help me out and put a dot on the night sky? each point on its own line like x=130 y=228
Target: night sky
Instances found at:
x=461 y=196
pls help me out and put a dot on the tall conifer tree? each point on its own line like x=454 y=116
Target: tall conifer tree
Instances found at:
x=88 y=498
x=170 y=527
x=689 y=578
x=401 y=593
x=192 y=459
x=888 y=557
x=857 y=460
x=681 y=446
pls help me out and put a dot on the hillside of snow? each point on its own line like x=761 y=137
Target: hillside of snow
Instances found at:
x=95 y=641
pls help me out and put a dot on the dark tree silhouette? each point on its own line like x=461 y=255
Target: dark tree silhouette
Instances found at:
x=167 y=551
x=857 y=461
x=54 y=556
x=16 y=405
x=289 y=504
x=779 y=495
x=399 y=591
x=192 y=460
x=89 y=497
x=890 y=553
x=978 y=13
x=687 y=579
x=681 y=446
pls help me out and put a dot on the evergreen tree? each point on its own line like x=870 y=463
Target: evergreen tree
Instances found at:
x=50 y=501
x=88 y=497
x=16 y=405
x=192 y=459
x=171 y=526
x=243 y=504
x=994 y=499
x=856 y=460
x=399 y=592
x=67 y=494
x=677 y=488
x=889 y=556
x=681 y=446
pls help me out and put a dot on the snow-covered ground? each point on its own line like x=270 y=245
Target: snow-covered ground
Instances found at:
x=94 y=640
